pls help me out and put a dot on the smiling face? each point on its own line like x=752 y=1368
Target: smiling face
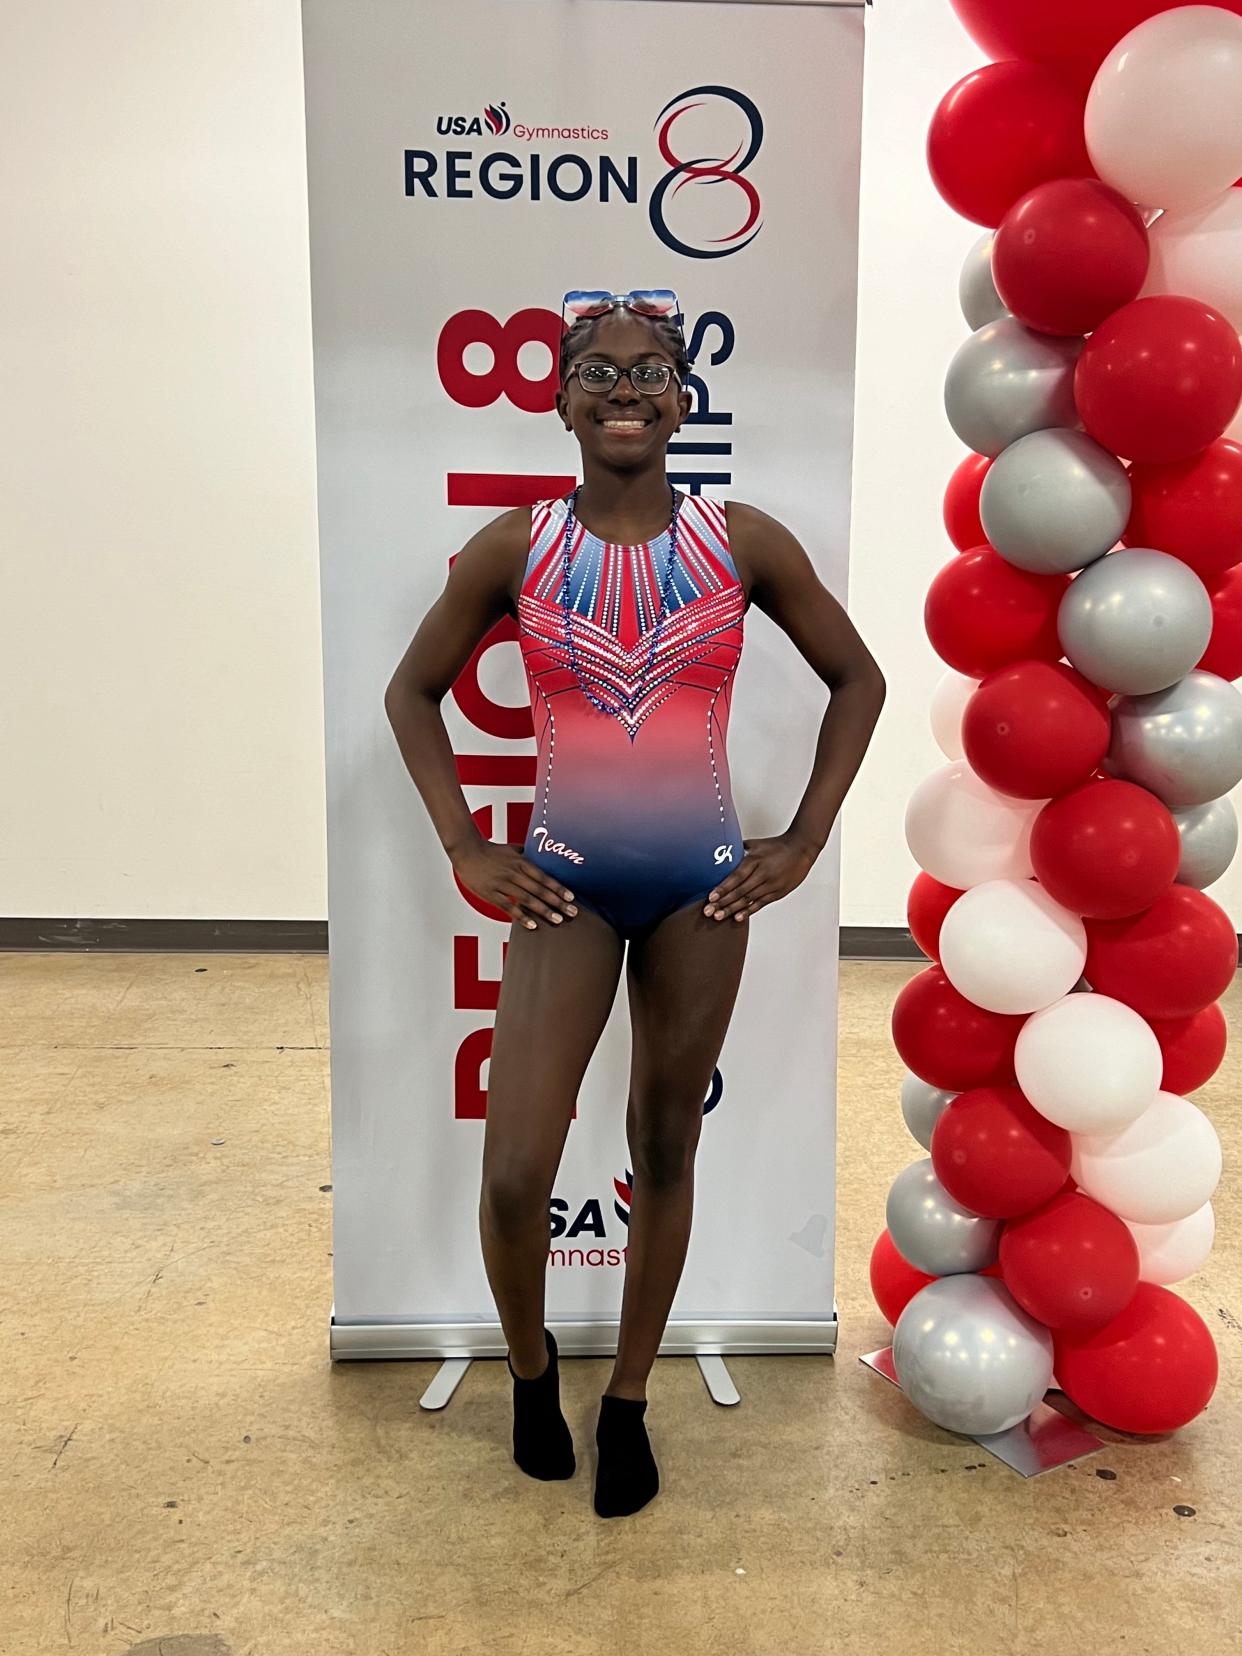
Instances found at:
x=622 y=427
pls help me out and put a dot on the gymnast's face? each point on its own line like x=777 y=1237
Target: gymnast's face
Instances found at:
x=646 y=421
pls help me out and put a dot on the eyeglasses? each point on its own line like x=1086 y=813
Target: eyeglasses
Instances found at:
x=579 y=303
x=647 y=378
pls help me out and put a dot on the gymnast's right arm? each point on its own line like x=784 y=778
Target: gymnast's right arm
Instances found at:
x=477 y=594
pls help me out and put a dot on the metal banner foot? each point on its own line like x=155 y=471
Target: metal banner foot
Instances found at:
x=1044 y=1441
x=444 y=1382
x=718 y=1380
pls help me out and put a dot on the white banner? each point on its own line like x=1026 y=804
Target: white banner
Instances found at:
x=469 y=160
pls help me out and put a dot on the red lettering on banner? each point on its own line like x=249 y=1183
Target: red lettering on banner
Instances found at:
x=504 y=378
x=496 y=770
x=471 y=991
x=469 y=1093
x=502 y=490
x=505 y=488
x=496 y=718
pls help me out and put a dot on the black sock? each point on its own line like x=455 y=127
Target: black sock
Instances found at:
x=627 y=1476
x=542 y=1445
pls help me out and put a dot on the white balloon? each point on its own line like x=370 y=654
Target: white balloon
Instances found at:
x=1170 y=1253
x=1200 y=253
x=962 y=832
x=1089 y=1063
x=1164 y=113
x=1008 y=947
x=953 y=690
x=1158 y=1169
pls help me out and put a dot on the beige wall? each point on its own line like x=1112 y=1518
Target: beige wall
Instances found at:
x=159 y=635
x=159 y=645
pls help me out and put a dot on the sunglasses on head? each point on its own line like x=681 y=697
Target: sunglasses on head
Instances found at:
x=599 y=377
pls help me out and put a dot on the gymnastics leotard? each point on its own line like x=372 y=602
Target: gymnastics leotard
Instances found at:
x=633 y=811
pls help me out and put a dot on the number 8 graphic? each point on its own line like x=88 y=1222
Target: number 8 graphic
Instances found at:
x=708 y=171
x=504 y=378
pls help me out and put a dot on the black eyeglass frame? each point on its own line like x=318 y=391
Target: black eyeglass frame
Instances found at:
x=602 y=390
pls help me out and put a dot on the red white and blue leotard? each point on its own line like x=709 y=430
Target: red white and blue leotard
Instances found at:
x=633 y=811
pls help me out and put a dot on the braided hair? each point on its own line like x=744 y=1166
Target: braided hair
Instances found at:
x=579 y=336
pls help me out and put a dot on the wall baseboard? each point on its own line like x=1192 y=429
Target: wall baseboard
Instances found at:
x=167 y=936
x=878 y=943
x=305 y=937
x=301 y=937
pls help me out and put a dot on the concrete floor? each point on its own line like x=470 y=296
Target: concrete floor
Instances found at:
x=188 y=1475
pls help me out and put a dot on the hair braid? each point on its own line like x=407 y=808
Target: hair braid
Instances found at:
x=578 y=337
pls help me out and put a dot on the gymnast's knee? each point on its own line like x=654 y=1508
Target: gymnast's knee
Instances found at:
x=514 y=1196
x=663 y=1136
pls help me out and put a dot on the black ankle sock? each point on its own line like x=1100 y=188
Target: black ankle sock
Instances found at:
x=542 y=1445
x=627 y=1476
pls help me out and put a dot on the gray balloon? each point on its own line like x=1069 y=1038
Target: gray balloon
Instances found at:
x=1054 y=501
x=1184 y=744
x=934 y=1233
x=1006 y=381
x=1135 y=622
x=976 y=290
x=1209 y=841
x=969 y=1357
x=922 y=1106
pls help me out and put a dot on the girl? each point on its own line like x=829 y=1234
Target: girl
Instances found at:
x=630 y=600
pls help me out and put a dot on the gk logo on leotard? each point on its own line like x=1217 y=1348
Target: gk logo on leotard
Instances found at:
x=724 y=853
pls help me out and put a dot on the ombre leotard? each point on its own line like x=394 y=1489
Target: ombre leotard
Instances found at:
x=633 y=812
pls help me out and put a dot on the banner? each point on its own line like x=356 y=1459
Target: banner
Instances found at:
x=470 y=160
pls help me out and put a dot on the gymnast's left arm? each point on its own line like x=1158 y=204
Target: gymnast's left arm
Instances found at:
x=785 y=586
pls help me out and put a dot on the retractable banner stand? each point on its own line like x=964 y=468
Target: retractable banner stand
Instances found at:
x=470 y=160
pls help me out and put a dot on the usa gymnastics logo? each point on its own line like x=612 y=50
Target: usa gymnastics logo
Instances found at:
x=625 y=1195
x=495 y=120
x=706 y=170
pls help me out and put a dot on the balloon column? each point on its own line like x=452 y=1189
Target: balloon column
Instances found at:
x=1091 y=624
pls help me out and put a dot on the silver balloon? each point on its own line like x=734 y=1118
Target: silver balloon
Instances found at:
x=969 y=1357
x=934 y=1233
x=976 y=290
x=1006 y=381
x=1183 y=744
x=1135 y=622
x=922 y=1106
x=1054 y=501
x=1209 y=842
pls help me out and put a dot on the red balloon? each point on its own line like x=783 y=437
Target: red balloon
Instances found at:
x=1193 y=1048
x=949 y=1042
x=1169 y=962
x=1191 y=509
x=926 y=907
x=1160 y=379
x=998 y=1156
x=1035 y=729
x=894 y=1281
x=1072 y=1264
x=982 y=613
x=999 y=132
x=1223 y=655
x=1152 y=1369
x=1107 y=850
x=1073 y=36
x=1068 y=254
x=961 y=503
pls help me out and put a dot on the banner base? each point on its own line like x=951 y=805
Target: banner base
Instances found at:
x=445 y=1341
